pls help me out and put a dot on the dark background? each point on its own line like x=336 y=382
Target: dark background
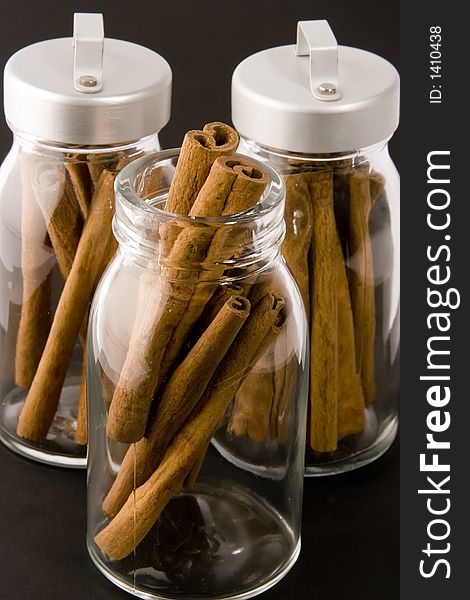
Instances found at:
x=351 y=522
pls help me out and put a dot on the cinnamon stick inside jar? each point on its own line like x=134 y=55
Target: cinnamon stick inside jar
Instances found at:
x=253 y=403
x=245 y=192
x=376 y=187
x=44 y=394
x=61 y=212
x=36 y=264
x=81 y=432
x=143 y=507
x=323 y=316
x=198 y=153
x=218 y=299
x=362 y=281
x=340 y=253
x=82 y=184
x=350 y=403
x=181 y=394
x=285 y=381
x=233 y=185
x=299 y=226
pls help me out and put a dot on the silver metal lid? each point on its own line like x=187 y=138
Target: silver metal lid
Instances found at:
x=87 y=90
x=316 y=96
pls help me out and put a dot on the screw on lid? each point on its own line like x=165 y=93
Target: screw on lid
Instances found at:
x=316 y=96
x=87 y=90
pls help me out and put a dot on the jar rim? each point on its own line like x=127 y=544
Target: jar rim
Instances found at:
x=60 y=148
x=125 y=192
x=319 y=157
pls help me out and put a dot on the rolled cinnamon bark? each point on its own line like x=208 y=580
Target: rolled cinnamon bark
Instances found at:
x=350 y=402
x=143 y=507
x=341 y=204
x=181 y=394
x=299 y=223
x=285 y=381
x=193 y=475
x=158 y=337
x=342 y=196
x=198 y=152
x=361 y=269
x=376 y=186
x=10 y=334
x=217 y=300
x=253 y=402
x=241 y=194
x=102 y=161
x=61 y=212
x=323 y=316
x=44 y=394
x=81 y=183
x=36 y=265
x=81 y=431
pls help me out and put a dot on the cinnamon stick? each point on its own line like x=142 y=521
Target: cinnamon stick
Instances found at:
x=99 y=162
x=61 y=213
x=323 y=316
x=81 y=431
x=193 y=475
x=44 y=394
x=143 y=507
x=36 y=264
x=285 y=382
x=181 y=394
x=361 y=270
x=81 y=183
x=253 y=402
x=299 y=223
x=230 y=184
x=198 y=153
x=10 y=334
x=217 y=300
x=376 y=186
x=341 y=204
x=241 y=194
x=350 y=402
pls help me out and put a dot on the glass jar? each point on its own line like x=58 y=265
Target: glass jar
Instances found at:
x=56 y=207
x=329 y=141
x=366 y=287
x=190 y=524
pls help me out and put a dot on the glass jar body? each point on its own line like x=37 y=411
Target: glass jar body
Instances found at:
x=342 y=246
x=219 y=505
x=47 y=193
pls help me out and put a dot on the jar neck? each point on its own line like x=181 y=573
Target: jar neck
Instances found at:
x=73 y=152
x=233 y=246
x=285 y=161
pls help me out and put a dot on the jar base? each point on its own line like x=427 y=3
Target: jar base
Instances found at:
x=207 y=545
x=59 y=448
x=361 y=458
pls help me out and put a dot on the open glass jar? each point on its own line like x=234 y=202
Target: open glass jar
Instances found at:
x=184 y=511
x=56 y=208
x=322 y=115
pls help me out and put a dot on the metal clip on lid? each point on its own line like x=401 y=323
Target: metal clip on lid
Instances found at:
x=88 y=43
x=316 y=39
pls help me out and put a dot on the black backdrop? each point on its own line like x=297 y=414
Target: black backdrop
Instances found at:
x=350 y=536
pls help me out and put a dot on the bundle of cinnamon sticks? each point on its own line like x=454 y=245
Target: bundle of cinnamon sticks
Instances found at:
x=67 y=208
x=194 y=341
x=328 y=250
